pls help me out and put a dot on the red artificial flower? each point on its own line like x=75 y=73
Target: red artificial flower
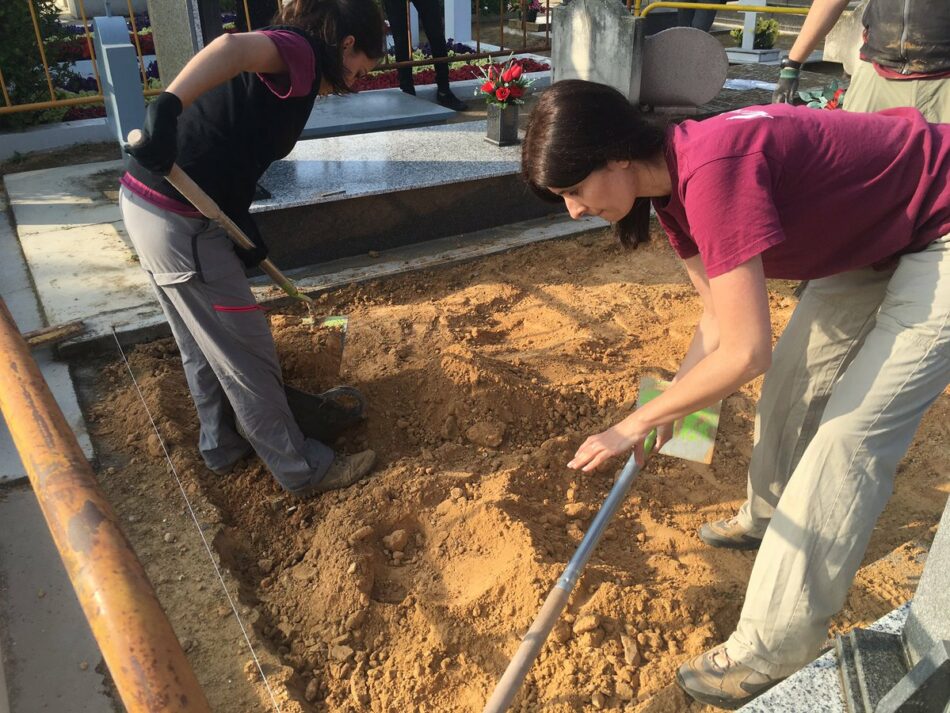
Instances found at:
x=502 y=93
x=488 y=87
x=516 y=91
x=513 y=73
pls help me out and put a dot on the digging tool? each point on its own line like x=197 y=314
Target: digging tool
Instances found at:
x=693 y=439
x=209 y=209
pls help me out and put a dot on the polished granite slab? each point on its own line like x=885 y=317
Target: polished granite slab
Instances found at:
x=817 y=687
x=345 y=167
x=371 y=111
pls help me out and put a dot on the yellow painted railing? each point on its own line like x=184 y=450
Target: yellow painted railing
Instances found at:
x=732 y=7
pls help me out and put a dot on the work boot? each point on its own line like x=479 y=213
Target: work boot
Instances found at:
x=715 y=679
x=728 y=533
x=446 y=98
x=342 y=473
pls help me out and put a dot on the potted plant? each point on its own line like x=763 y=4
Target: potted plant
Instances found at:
x=504 y=88
x=766 y=32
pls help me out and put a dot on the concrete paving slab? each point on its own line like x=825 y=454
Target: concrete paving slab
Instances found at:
x=49 y=654
x=17 y=292
x=73 y=239
x=52 y=199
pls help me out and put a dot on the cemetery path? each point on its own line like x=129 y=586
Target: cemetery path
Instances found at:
x=409 y=592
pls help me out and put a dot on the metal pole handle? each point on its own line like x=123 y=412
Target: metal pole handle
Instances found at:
x=510 y=683
x=184 y=184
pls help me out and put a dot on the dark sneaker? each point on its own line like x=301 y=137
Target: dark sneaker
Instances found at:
x=229 y=468
x=715 y=679
x=342 y=473
x=728 y=533
x=408 y=89
x=447 y=99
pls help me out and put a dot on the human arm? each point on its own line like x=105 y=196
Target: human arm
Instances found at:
x=818 y=23
x=705 y=338
x=224 y=58
x=741 y=312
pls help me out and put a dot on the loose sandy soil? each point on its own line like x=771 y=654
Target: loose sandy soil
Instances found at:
x=409 y=592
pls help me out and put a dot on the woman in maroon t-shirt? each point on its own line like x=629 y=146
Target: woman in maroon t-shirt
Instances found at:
x=856 y=204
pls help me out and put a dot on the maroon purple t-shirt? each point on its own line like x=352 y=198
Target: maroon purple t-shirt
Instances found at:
x=813 y=192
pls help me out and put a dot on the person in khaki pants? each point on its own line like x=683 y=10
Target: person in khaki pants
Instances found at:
x=856 y=203
x=891 y=73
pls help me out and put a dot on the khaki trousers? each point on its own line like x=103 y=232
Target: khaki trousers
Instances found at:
x=862 y=358
x=869 y=91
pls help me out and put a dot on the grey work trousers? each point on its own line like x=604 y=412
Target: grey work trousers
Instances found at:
x=862 y=358
x=226 y=346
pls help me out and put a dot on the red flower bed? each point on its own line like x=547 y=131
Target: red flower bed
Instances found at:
x=76 y=48
x=386 y=80
x=75 y=113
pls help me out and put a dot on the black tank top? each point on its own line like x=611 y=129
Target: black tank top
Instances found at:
x=230 y=135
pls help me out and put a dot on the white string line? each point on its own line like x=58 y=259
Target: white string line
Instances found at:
x=194 y=517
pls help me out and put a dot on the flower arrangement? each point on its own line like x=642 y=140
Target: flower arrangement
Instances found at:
x=526 y=7
x=829 y=97
x=504 y=84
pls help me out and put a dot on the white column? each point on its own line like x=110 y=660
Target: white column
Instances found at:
x=414 y=25
x=748 y=24
x=458 y=20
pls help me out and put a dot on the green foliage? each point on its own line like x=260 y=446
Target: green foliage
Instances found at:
x=766 y=32
x=829 y=97
x=20 y=59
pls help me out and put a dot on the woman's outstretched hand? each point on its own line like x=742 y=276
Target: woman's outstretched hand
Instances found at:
x=617 y=440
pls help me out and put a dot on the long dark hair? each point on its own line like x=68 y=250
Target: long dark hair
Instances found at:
x=575 y=129
x=330 y=21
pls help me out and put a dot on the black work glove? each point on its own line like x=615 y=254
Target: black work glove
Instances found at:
x=787 y=85
x=158 y=148
x=250 y=257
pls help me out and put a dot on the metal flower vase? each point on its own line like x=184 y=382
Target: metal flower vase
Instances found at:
x=502 y=124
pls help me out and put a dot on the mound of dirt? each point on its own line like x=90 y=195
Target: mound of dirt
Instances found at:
x=410 y=590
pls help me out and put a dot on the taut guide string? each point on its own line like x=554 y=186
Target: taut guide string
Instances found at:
x=194 y=518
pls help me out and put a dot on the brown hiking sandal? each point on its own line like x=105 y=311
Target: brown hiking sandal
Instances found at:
x=728 y=533
x=715 y=679
x=342 y=473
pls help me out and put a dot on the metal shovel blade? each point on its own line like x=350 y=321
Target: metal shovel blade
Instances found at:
x=694 y=436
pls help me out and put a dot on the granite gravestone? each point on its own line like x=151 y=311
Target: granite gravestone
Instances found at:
x=600 y=41
x=907 y=672
x=180 y=29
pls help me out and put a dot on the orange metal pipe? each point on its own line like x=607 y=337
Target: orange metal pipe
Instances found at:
x=145 y=659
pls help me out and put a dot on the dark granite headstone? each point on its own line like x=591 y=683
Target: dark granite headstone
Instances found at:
x=910 y=672
x=929 y=619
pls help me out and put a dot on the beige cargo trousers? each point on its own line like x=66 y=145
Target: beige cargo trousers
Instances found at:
x=862 y=358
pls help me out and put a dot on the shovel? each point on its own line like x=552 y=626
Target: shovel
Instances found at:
x=320 y=416
x=693 y=439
